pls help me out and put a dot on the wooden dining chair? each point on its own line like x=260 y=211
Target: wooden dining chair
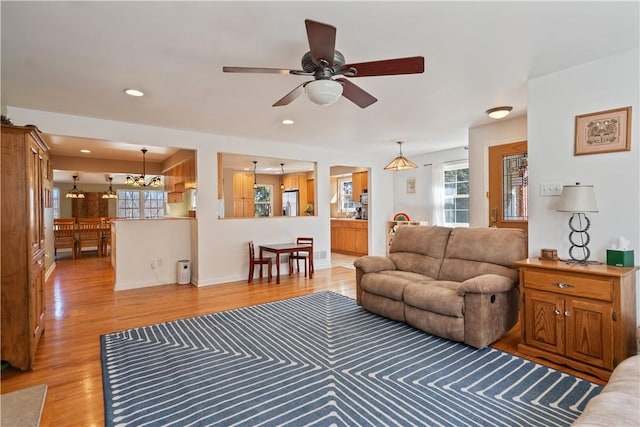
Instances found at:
x=105 y=230
x=307 y=257
x=64 y=235
x=89 y=235
x=253 y=260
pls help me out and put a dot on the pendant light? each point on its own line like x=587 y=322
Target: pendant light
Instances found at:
x=110 y=194
x=282 y=176
x=255 y=181
x=156 y=181
x=400 y=163
x=74 y=193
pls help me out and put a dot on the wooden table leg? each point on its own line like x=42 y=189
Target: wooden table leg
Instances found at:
x=277 y=268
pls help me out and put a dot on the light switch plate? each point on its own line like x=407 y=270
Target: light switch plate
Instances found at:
x=550 y=189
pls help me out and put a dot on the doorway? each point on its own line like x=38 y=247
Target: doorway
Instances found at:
x=349 y=210
x=509 y=186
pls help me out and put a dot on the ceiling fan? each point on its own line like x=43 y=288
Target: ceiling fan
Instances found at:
x=323 y=62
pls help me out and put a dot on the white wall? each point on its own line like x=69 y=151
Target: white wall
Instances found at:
x=419 y=205
x=554 y=101
x=221 y=244
x=137 y=244
x=480 y=139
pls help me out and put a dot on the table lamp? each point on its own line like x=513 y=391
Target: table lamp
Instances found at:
x=578 y=199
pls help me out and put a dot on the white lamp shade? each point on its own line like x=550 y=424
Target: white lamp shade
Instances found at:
x=578 y=198
x=323 y=92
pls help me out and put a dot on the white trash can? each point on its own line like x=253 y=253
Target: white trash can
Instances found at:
x=184 y=272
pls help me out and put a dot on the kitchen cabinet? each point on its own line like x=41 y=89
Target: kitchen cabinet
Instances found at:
x=582 y=316
x=23 y=163
x=174 y=197
x=291 y=182
x=243 y=195
x=350 y=237
x=359 y=183
x=181 y=177
x=311 y=191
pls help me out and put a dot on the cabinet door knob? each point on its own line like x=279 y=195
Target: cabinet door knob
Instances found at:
x=563 y=285
x=557 y=311
x=567 y=314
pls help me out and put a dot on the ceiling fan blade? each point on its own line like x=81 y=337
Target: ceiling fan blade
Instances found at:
x=288 y=98
x=259 y=70
x=388 y=67
x=356 y=94
x=322 y=41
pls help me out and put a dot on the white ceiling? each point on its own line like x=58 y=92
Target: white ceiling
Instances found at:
x=77 y=57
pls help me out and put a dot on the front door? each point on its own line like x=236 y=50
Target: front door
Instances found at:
x=508 y=186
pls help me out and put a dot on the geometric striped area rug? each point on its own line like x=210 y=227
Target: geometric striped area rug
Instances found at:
x=321 y=360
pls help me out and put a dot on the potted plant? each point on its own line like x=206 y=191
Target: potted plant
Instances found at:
x=309 y=209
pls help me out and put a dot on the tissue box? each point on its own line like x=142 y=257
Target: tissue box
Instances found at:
x=620 y=258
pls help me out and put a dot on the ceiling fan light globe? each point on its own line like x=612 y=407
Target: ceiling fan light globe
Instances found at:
x=323 y=92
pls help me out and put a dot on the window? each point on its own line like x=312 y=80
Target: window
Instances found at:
x=345 y=190
x=263 y=201
x=456 y=195
x=141 y=204
x=55 y=195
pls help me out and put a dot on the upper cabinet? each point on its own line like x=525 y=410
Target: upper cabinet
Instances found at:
x=359 y=184
x=181 y=176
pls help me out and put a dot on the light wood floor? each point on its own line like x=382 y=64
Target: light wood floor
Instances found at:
x=81 y=306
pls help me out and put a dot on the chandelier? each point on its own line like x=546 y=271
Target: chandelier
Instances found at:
x=156 y=181
x=110 y=194
x=74 y=193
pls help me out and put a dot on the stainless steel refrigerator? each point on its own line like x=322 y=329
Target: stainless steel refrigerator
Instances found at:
x=290 y=203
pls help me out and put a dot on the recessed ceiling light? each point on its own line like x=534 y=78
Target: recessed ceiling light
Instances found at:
x=499 y=112
x=84 y=150
x=287 y=122
x=134 y=92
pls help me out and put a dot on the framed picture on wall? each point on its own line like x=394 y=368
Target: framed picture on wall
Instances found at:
x=411 y=185
x=603 y=132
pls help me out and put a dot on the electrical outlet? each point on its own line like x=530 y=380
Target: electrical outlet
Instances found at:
x=159 y=262
x=550 y=190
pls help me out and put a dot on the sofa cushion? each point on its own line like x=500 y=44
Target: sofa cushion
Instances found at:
x=472 y=252
x=436 y=296
x=419 y=249
x=390 y=283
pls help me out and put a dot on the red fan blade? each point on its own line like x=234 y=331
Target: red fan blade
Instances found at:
x=288 y=98
x=259 y=70
x=322 y=41
x=356 y=94
x=388 y=67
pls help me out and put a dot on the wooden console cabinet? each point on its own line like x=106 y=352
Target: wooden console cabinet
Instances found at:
x=23 y=164
x=582 y=316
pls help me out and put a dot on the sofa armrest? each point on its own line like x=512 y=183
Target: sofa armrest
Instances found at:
x=372 y=263
x=486 y=284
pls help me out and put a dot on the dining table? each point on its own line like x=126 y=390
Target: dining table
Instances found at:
x=286 y=248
